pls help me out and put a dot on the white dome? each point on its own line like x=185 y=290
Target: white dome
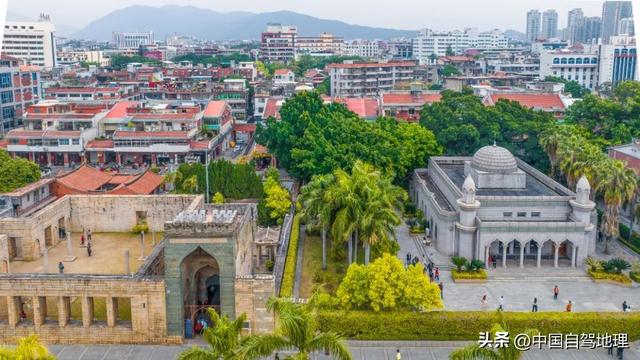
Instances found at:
x=494 y=159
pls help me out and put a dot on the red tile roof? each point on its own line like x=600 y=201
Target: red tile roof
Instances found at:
x=119 y=110
x=146 y=183
x=407 y=98
x=281 y=72
x=244 y=127
x=546 y=102
x=199 y=144
x=272 y=108
x=4 y=143
x=215 y=108
x=25 y=134
x=99 y=144
x=366 y=108
x=84 y=178
x=87 y=180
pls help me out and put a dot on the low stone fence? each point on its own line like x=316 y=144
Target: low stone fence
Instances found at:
x=283 y=246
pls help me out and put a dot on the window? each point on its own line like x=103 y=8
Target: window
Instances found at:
x=579 y=61
x=5 y=80
x=507 y=214
x=63 y=141
x=556 y=60
x=75 y=141
x=8 y=112
x=6 y=97
x=522 y=214
x=586 y=60
x=535 y=214
x=563 y=61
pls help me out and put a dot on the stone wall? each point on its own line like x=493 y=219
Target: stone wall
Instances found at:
x=252 y=294
x=146 y=296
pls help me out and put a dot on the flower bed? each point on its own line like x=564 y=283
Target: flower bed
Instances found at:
x=617 y=279
x=479 y=276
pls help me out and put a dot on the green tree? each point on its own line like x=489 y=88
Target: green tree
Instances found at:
x=317 y=211
x=16 y=173
x=570 y=86
x=27 y=348
x=223 y=337
x=477 y=352
x=459 y=262
x=217 y=198
x=617 y=186
x=297 y=330
x=449 y=51
x=386 y=283
x=450 y=70
x=353 y=292
x=277 y=199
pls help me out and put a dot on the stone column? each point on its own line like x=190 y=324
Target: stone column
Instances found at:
x=112 y=311
x=39 y=310
x=87 y=311
x=556 y=252
x=504 y=255
x=70 y=256
x=521 y=256
x=539 y=263
x=45 y=259
x=13 y=310
x=64 y=310
x=142 y=257
x=574 y=252
x=486 y=257
x=127 y=267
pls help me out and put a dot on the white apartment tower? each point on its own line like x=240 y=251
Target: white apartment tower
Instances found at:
x=533 y=25
x=549 y=24
x=33 y=42
x=132 y=40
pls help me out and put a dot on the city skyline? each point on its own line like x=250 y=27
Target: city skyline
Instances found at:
x=71 y=13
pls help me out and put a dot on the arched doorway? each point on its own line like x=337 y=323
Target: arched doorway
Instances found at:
x=200 y=274
x=495 y=252
x=566 y=254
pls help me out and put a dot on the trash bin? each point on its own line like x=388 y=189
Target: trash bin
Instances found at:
x=188 y=329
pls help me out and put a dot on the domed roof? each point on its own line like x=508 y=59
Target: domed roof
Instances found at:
x=494 y=159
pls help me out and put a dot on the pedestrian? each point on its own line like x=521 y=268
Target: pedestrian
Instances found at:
x=430 y=276
x=441 y=286
x=429 y=267
x=408 y=258
x=569 y=306
x=556 y=291
x=23 y=315
x=277 y=357
x=89 y=235
x=534 y=308
x=483 y=302
x=61 y=267
x=501 y=303
x=610 y=349
x=398 y=355
x=82 y=239
x=415 y=260
x=619 y=352
x=494 y=262
x=625 y=307
x=89 y=248
x=437 y=273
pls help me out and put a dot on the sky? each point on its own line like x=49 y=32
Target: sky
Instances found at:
x=398 y=14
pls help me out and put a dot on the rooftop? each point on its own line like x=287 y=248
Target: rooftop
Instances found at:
x=530 y=100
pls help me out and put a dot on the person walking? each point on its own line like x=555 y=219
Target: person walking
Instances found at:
x=408 y=258
x=534 y=308
x=569 y=306
x=501 y=303
x=437 y=273
x=61 y=267
x=89 y=235
x=430 y=275
x=82 y=239
x=556 y=291
x=398 y=355
x=494 y=261
x=625 y=307
x=89 y=248
x=483 y=302
x=441 y=286
x=277 y=357
x=429 y=267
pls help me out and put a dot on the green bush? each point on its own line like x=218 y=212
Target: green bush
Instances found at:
x=289 y=276
x=603 y=275
x=140 y=227
x=635 y=276
x=476 y=275
x=465 y=325
x=269 y=264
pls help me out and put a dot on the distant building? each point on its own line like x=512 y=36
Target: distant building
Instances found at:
x=401 y=49
x=33 y=42
x=618 y=60
x=575 y=19
x=76 y=57
x=368 y=79
x=533 y=25
x=629 y=153
x=132 y=40
x=625 y=26
x=589 y=31
x=612 y=13
x=550 y=103
x=278 y=43
x=326 y=44
x=19 y=88
x=406 y=105
x=283 y=76
x=363 y=48
x=573 y=65
x=429 y=44
x=549 y=27
x=541 y=45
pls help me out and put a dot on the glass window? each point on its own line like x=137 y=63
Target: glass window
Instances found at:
x=563 y=61
x=535 y=214
x=572 y=61
x=75 y=141
x=579 y=61
x=5 y=80
x=507 y=214
x=6 y=97
x=63 y=141
x=594 y=60
x=556 y=60
x=522 y=214
x=586 y=60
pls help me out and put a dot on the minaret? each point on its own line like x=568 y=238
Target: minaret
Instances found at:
x=582 y=208
x=466 y=224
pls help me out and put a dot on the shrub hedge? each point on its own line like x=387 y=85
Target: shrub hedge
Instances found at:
x=635 y=276
x=465 y=325
x=601 y=275
x=289 y=275
x=481 y=274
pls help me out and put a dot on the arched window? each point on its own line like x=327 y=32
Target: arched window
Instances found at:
x=578 y=60
x=556 y=60
x=572 y=61
x=563 y=61
x=594 y=60
x=586 y=60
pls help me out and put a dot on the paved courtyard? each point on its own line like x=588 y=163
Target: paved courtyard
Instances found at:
x=369 y=350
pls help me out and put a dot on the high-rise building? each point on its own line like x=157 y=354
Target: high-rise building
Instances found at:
x=19 y=88
x=618 y=60
x=132 y=40
x=33 y=42
x=549 y=24
x=278 y=43
x=533 y=25
x=625 y=26
x=351 y=79
x=319 y=45
x=589 y=32
x=429 y=44
x=575 y=20
x=612 y=12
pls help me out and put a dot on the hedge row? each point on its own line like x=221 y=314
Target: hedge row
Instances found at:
x=465 y=325
x=601 y=275
x=289 y=275
x=480 y=275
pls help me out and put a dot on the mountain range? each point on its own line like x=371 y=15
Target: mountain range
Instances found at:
x=214 y=25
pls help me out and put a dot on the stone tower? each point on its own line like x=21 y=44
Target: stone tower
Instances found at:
x=466 y=224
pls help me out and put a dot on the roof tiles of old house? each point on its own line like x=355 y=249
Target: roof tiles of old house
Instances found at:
x=532 y=101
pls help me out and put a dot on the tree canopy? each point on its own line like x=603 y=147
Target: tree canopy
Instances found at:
x=313 y=138
x=570 y=86
x=235 y=181
x=16 y=173
x=463 y=124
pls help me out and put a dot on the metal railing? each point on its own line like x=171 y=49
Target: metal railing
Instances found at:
x=283 y=247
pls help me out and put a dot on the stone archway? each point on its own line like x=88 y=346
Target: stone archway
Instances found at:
x=495 y=253
x=200 y=276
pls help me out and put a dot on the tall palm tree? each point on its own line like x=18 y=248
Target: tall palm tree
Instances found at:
x=476 y=352
x=568 y=154
x=28 y=348
x=617 y=186
x=297 y=331
x=550 y=141
x=318 y=210
x=224 y=339
x=344 y=198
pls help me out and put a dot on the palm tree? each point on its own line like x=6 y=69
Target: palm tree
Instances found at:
x=297 y=331
x=223 y=337
x=476 y=352
x=550 y=141
x=344 y=198
x=617 y=186
x=28 y=348
x=317 y=209
x=568 y=155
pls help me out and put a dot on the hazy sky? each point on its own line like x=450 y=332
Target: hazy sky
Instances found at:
x=400 y=14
